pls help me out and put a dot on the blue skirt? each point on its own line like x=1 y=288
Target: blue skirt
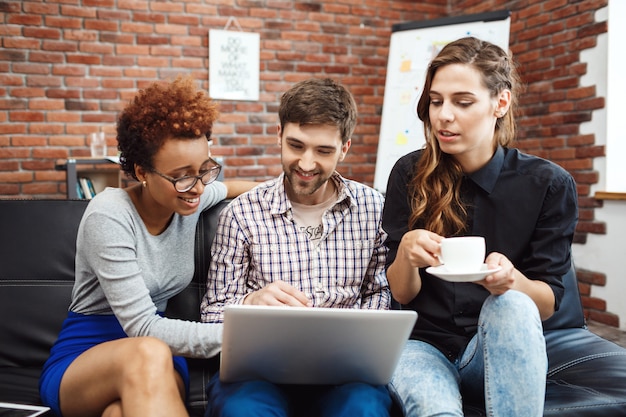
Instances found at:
x=79 y=333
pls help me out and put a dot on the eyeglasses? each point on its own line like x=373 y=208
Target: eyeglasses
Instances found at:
x=186 y=183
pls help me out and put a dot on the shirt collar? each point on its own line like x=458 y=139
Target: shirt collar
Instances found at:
x=487 y=176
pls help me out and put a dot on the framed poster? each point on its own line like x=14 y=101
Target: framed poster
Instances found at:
x=233 y=65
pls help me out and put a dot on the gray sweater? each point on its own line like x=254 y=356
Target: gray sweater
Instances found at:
x=122 y=269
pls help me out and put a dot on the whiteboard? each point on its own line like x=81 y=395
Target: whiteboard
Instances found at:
x=413 y=45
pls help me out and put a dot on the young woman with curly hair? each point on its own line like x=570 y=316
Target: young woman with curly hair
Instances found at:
x=481 y=340
x=116 y=354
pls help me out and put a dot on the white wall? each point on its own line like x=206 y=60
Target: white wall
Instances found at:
x=616 y=122
x=607 y=253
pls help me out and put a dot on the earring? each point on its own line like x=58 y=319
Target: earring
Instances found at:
x=144 y=183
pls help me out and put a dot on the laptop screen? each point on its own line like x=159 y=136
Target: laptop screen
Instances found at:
x=300 y=345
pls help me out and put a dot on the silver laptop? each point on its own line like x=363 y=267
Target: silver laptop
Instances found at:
x=300 y=345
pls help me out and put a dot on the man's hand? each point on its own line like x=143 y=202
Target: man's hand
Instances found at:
x=278 y=293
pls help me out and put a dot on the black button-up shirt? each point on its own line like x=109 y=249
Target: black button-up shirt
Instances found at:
x=524 y=206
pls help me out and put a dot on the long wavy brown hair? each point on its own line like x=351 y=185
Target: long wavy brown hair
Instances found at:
x=435 y=190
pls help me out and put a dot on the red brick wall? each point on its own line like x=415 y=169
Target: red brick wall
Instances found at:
x=68 y=66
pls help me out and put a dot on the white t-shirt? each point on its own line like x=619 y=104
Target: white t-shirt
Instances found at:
x=309 y=217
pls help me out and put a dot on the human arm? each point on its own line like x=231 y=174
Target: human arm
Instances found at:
x=122 y=270
x=510 y=278
x=248 y=255
x=278 y=293
x=227 y=275
x=417 y=249
x=237 y=187
x=409 y=250
x=231 y=267
x=534 y=230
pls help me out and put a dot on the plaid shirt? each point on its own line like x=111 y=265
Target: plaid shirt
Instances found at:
x=258 y=242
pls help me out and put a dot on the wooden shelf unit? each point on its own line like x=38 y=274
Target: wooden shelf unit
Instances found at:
x=103 y=173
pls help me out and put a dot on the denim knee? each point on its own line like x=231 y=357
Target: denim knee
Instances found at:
x=511 y=308
x=250 y=399
x=426 y=382
x=514 y=352
x=356 y=399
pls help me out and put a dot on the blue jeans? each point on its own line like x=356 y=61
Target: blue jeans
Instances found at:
x=265 y=399
x=505 y=362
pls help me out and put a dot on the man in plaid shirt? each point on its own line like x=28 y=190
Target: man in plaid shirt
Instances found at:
x=307 y=238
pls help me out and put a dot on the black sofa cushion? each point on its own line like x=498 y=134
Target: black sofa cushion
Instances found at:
x=37 y=248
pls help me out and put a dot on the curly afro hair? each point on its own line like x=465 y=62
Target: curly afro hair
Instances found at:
x=174 y=110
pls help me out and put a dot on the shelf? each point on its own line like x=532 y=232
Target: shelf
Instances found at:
x=103 y=172
x=607 y=195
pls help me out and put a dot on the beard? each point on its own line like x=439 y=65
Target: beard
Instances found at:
x=305 y=188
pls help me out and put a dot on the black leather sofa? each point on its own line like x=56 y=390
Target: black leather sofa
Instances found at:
x=587 y=374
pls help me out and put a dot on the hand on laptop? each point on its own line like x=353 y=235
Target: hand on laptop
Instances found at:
x=279 y=293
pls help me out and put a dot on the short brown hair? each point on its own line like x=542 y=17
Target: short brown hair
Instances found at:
x=319 y=101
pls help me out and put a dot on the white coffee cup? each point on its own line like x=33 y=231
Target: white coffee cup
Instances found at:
x=463 y=254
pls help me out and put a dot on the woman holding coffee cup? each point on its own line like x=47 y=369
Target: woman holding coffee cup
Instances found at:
x=482 y=339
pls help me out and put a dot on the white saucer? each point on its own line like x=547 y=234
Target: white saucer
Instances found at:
x=441 y=272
